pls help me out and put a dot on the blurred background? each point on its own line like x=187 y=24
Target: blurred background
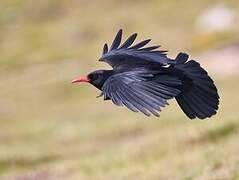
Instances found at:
x=51 y=129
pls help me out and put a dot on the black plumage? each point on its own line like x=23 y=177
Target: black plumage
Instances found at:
x=144 y=78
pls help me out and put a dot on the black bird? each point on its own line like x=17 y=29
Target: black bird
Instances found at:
x=144 y=78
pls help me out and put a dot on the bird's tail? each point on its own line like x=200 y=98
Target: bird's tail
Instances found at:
x=199 y=97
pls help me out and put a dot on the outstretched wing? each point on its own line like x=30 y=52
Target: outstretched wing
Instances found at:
x=141 y=91
x=118 y=54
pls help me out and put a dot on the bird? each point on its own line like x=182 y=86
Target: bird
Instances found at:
x=143 y=79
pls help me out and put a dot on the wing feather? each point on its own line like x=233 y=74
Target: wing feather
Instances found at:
x=144 y=101
x=105 y=49
x=141 y=44
x=129 y=41
x=139 y=91
x=125 y=54
x=149 y=48
x=117 y=40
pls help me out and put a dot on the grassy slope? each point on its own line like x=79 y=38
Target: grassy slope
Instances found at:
x=51 y=129
x=88 y=138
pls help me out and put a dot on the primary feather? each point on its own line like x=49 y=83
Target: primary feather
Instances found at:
x=117 y=54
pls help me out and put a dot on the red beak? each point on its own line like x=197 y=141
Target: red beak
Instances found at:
x=81 y=79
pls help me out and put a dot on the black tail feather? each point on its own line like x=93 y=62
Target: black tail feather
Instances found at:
x=199 y=97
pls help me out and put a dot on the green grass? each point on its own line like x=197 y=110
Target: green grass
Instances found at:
x=50 y=129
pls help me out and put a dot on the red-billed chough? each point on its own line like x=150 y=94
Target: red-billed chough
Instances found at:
x=144 y=78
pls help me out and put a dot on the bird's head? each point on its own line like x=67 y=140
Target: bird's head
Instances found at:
x=96 y=78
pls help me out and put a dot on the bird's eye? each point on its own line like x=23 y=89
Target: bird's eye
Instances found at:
x=89 y=76
x=93 y=76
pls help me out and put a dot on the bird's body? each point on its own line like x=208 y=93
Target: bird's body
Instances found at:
x=143 y=79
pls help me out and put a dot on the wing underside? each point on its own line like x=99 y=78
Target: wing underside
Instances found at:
x=141 y=92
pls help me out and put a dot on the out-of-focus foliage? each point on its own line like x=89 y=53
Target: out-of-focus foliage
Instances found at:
x=50 y=129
